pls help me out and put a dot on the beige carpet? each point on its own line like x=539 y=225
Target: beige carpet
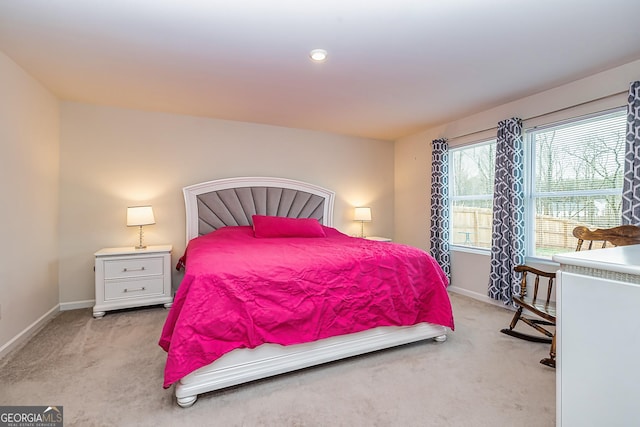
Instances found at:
x=108 y=372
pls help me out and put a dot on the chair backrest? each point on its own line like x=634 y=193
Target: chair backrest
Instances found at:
x=525 y=289
x=605 y=237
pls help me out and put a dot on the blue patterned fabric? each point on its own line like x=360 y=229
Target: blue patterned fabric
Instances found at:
x=631 y=184
x=440 y=204
x=507 y=237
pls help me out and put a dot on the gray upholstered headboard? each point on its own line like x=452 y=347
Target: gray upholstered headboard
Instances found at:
x=232 y=201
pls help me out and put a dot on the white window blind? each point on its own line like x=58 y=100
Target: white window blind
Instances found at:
x=574 y=178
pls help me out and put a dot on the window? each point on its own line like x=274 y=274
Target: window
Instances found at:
x=575 y=178
x=471 y=194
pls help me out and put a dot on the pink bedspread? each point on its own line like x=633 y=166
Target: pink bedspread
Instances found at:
x=241 y=291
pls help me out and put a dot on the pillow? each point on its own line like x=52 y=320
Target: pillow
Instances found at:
x=277 y=226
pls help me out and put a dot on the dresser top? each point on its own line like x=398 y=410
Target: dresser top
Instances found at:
x=621 y=259
x=130 y=250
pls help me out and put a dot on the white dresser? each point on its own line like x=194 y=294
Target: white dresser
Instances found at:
x=598 y=338
x=129 y=277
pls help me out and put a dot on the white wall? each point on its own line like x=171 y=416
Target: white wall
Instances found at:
x=470 y=271
x=112 y=158
x=29 y=138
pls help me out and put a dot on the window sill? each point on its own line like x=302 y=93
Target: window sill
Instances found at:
x=541 y=261
x=487 y=252
x=467 y=249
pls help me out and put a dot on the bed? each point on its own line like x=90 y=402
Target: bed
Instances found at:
x=241 y=313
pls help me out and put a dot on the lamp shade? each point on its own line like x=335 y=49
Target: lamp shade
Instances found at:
x=140 y=215
x=362 y=214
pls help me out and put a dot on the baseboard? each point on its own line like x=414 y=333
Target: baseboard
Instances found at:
x=479 y=297
x=24 y=336
x=75 y=305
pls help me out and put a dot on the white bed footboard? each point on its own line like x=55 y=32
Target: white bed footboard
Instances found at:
x=245 y=365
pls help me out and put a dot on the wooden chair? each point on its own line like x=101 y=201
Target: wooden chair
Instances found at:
x=539 y=300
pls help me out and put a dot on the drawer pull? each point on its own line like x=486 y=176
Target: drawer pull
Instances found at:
x=133 y=269
x=135 y=290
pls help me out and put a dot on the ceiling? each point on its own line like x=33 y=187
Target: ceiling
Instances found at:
x=395 y=67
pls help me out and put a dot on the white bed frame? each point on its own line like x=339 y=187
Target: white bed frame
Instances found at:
x=244 y=365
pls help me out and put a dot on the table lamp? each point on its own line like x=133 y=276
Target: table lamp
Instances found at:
x=363 y=215
x=140 y=216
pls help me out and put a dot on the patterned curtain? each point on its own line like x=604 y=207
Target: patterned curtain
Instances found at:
x=631 y=185
x=507 y=238
x=440 y=204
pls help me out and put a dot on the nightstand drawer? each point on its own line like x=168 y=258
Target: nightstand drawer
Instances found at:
x=135 y=267
x=133 y=288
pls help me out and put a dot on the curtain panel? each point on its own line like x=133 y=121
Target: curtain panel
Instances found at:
x=631 y=183
x=507 y=236
x=439 y=241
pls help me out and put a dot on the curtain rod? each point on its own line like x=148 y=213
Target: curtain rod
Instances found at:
x=544 y=115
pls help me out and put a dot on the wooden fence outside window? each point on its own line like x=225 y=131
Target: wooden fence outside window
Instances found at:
x=472 y=227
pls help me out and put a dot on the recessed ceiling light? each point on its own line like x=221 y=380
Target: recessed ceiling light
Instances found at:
x=318 y=55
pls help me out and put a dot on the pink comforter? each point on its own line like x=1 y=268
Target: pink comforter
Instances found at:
x=241 y=291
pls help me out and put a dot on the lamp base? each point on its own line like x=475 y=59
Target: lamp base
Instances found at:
x=140 y=245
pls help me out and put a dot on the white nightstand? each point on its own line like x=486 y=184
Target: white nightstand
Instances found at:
x=378 y=238
x=129 y=277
